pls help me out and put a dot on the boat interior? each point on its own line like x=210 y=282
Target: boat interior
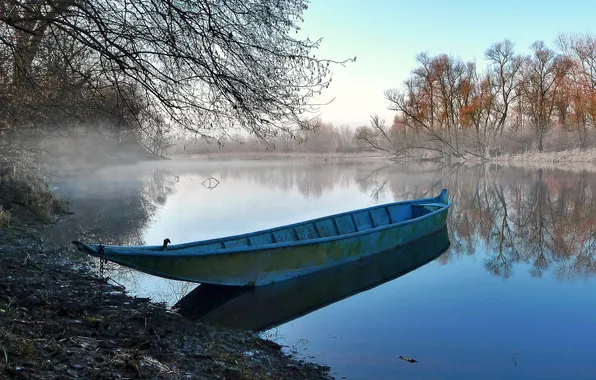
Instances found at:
x=327 y=227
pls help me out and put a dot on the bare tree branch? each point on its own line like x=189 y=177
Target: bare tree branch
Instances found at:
x=207 y=66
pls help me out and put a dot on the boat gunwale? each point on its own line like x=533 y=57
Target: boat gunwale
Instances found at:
x=156 y=251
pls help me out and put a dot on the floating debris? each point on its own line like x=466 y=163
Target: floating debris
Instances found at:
x=408 y=359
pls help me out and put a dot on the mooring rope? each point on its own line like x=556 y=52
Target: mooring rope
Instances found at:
x=102 y=261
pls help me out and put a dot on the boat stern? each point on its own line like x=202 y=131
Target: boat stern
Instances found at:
x=443 y=197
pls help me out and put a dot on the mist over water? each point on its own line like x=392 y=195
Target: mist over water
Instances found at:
x=512 y=297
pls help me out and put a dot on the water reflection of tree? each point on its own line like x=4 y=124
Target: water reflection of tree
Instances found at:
x=158 y=185
x=112 y=210
x=310 y=179
x=544 y=218
x=374 y=183
x=115 y=206
x=541 y=218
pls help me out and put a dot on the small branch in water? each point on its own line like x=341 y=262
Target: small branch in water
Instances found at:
x=210 y=183
x=118 y=286
x=408 y=359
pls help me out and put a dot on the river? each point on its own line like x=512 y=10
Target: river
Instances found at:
x=511 y=295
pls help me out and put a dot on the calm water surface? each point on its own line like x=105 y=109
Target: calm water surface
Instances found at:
x=513 y=296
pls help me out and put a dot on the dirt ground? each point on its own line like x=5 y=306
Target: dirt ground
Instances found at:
x=59 y=320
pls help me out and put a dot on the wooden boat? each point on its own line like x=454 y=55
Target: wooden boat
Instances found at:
x=265 y=307
x=277 y=254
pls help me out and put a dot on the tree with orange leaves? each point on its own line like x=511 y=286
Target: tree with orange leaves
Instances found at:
x=542 y=75
x=431 y=101
x=480 y=112
x=580 y=84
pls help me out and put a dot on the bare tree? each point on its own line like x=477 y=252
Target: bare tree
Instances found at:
x=376 y=136
x=506 y=66
x=583 y=49
x=541 y=76
x=431 y=101
x=483 y=112
x=580 y=85
x=206 y=65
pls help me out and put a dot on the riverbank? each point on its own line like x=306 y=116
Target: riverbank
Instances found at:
x=280 y=156
x=60 y=320
x=529 y=158
x=571 y=159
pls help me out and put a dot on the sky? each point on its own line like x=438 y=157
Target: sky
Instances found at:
x=386 y=36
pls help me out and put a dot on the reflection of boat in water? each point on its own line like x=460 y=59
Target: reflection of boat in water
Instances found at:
x=264 y=307
x=277 y=254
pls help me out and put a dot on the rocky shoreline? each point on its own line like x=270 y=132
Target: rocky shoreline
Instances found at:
x=60 y=320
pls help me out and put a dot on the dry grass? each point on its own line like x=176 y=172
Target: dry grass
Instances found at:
x=511 y=142
x=572 y=155
x=22 y=188
x=573 y=160
x=11 y=344
x=4 y=217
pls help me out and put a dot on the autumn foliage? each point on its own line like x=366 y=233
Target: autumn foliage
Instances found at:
x=453 y=107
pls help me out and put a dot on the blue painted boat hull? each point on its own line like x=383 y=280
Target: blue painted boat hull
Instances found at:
x=281 y=253
x=265 y=307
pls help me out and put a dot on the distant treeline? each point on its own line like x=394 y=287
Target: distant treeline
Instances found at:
x=454 y=108
x=320 y=137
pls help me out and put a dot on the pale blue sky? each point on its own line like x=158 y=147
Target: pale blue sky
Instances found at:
x=386 y=36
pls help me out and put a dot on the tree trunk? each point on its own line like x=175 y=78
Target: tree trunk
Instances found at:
x=540 y=140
